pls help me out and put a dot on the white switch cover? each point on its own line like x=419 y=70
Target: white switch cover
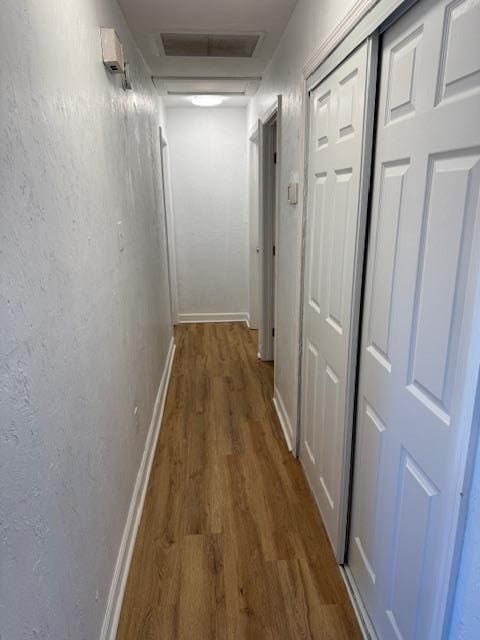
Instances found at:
x=293 y=193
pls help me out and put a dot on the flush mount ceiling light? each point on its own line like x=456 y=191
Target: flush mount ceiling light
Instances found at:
x=207 y=101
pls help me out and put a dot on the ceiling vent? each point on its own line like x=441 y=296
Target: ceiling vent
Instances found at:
x=210 y=45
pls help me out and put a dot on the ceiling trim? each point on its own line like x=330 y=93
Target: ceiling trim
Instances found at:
x=245 y=78
x=207 y=93
x=339 y=33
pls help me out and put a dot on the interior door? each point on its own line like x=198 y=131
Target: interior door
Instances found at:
x=338 y=172
x=423 y=267
x=268 y=134
x=274 y=232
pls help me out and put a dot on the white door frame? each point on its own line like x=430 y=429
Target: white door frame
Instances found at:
x=267 y=210
x=169 y=225
x=254 y=248
x=365 y=18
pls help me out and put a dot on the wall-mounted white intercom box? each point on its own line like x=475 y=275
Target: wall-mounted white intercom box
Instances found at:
x=112 y=51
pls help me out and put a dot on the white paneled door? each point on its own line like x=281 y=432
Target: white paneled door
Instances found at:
x=423 y=267
x=338 y=171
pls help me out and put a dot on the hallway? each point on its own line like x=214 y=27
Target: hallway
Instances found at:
x=230 y=543
x=239 y=320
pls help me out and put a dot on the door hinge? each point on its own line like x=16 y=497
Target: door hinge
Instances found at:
x=275 y=157
x=273 y=249
x=273 y=332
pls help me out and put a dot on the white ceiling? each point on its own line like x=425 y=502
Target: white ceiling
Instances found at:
x=149 y=18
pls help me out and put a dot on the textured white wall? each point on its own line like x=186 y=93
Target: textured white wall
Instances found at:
x=311 y=22
x=208 y=165
x=84 y=313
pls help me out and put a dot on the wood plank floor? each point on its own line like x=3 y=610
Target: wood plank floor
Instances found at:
x=230 y=544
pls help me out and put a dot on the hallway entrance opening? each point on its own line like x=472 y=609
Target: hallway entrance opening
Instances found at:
x=268 y=146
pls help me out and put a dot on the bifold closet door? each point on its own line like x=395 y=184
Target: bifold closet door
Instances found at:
x=422 y=274
x=338 y=173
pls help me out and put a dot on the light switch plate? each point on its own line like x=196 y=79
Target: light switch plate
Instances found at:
x=293 y=193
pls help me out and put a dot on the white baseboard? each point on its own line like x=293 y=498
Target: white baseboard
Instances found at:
x=366 y=627
x=283 y=418
x=119 y=581
x=241 y=316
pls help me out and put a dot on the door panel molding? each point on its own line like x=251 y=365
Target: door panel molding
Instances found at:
x=341 y=125
x=359 y=23
x=420 y=353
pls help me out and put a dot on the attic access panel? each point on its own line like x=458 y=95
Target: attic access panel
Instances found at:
x=210 y=45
